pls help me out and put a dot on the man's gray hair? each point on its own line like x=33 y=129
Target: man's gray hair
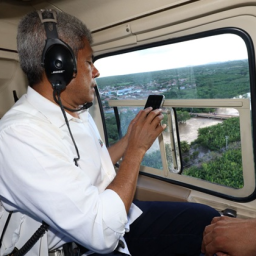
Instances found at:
x=31 y=40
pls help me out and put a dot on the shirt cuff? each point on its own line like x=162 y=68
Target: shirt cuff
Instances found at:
x=114 y=214
x=133 y=214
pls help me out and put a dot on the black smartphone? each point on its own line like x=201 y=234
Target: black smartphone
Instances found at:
x=155 y=101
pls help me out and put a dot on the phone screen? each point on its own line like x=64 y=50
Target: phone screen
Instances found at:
x=154 y=101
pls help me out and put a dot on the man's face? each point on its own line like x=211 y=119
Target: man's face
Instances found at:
x=81 y=88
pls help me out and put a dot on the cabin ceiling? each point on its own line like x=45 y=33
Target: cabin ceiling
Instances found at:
x=114 y=23
x=96 y=14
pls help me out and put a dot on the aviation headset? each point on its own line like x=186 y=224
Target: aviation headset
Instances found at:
x=59 y=62
x=58 y=59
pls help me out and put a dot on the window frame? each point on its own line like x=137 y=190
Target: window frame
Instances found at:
x=251 y=57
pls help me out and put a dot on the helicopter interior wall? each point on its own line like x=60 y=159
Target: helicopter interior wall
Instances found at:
x=121 y=27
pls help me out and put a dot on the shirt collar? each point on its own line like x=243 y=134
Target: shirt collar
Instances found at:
x=50 y=110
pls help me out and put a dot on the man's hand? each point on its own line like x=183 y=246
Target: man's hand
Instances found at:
x=230 y=237
x=144 y=129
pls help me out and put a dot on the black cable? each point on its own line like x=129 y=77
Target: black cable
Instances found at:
x=85 y=106
x=56 y=92
x=15 y=97
x=31 y=242
x=5 y=227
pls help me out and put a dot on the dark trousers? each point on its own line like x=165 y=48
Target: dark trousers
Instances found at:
x=168 y=228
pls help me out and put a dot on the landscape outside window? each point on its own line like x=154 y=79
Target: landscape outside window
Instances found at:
x=214 y=67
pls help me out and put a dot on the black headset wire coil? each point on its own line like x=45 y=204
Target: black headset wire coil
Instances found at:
x=33 y=239
x=30 y=243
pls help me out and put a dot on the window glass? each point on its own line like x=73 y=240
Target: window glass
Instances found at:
x=169 y=147
x=208 y=141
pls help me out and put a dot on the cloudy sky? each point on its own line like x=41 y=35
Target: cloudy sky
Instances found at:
x=218 y=48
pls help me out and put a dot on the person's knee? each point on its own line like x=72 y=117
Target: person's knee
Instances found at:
x=204 y=212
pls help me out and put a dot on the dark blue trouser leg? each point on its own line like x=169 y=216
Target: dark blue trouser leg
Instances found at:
x=168 y=228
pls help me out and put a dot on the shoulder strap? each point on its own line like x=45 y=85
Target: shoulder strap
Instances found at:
x=5 y=227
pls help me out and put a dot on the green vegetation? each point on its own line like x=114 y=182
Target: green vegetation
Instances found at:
x=153 y=160
x=111 y=129
x=216 y=136
x=222 y=164
x=182 y=116
x=184 y=147
x=225 y=170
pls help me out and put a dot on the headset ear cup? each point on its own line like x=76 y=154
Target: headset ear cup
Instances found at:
x=59 y=65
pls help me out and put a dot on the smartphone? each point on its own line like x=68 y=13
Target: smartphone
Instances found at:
x=155 y=101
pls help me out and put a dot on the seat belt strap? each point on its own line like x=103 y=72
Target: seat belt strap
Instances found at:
x=5 y=227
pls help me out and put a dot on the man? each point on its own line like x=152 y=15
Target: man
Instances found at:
x=230 y=237
x=56 y=169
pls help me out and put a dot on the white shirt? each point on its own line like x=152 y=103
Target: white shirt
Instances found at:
x=38 y=178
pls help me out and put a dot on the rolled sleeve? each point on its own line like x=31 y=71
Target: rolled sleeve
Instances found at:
x=114 y=221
